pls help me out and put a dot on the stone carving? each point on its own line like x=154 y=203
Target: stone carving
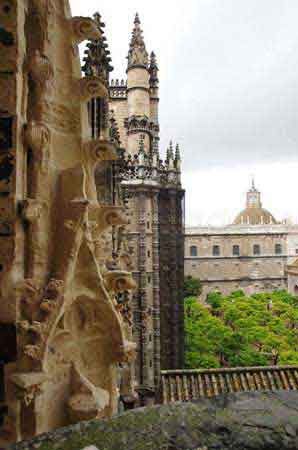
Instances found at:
x=31 y=209
x=40 y=68
x=101 y=150
x=38 y=138
x=28 y=385
x=91 y=86
x=84 y=28
x=119 y=281
x=137 y=54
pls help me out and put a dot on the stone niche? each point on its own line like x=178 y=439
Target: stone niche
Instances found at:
x=62 y=334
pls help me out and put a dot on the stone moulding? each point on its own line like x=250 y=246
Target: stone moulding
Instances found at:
x=84 y=28
x=90 y=87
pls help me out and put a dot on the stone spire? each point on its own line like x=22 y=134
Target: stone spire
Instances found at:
x=170 y=156
x=153 y=71
x=177 y=157
x=137 y=54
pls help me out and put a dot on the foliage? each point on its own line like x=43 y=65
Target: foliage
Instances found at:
x=192 y=287
x=238 y=330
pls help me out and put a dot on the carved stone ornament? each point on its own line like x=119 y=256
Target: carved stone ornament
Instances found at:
x=33 y=352
x=119 y=281
x=37 y=136
x=101 y=150
x=90 y=87
x=107 y=216
x=31 y=210
x=128 y=352
x=40 y=68
x=28 y=385
x=84 y=28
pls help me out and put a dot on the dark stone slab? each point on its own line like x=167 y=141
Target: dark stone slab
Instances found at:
x=244 y=421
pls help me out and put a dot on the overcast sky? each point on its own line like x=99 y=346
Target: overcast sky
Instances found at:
x=228 y=94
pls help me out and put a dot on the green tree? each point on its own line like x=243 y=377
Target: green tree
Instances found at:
x=238 y=330
x=192 y=287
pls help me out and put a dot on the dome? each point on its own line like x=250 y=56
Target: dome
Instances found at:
x=254 y=213
x=254 y=216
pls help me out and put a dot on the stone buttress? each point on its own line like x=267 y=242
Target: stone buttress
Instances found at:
x=62 y=332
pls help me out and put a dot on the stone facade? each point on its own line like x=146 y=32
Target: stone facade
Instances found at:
x=155 y=198
x=292 y=275
x=251 y=254
x=62 y=330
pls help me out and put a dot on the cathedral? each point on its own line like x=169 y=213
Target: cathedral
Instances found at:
x=91 y=227
x=253 y=254
x=151 y=190
x=155 y=200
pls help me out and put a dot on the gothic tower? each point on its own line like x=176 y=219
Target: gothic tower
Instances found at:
x=155 y=198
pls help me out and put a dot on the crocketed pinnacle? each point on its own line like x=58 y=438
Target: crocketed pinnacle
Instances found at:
x=170 y=152
x=137 y=54
x=177 y=153
x=155 y=153
x=153 y=71
x=97 y=60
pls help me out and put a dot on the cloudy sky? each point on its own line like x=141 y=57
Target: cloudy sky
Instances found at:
x=228 y=95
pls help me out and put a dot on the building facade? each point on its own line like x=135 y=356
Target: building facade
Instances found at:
x=251 y=254
x=155 y=199
x=63 y=333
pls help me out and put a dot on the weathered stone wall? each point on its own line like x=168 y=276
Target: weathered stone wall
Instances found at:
x=62 y=332
x=248 y=421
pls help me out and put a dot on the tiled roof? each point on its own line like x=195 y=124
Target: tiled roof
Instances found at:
x=186 y=385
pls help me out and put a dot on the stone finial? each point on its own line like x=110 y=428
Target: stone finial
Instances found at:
x=177 y=157
x=97 y=60
x=137 y=54
x=153 y=71
x=155 y=153
x=141 y=153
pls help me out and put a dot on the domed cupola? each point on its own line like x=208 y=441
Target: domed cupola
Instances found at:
x=254 y=213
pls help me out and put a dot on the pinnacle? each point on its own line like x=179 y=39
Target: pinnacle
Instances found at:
x=137 y=19
x=137 y=54
x=177 y=153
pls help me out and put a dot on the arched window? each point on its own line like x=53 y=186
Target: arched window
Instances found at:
x=193 y=250
x=236 y=250
x=256 y=249
x=278 y=249
x=216 y=250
